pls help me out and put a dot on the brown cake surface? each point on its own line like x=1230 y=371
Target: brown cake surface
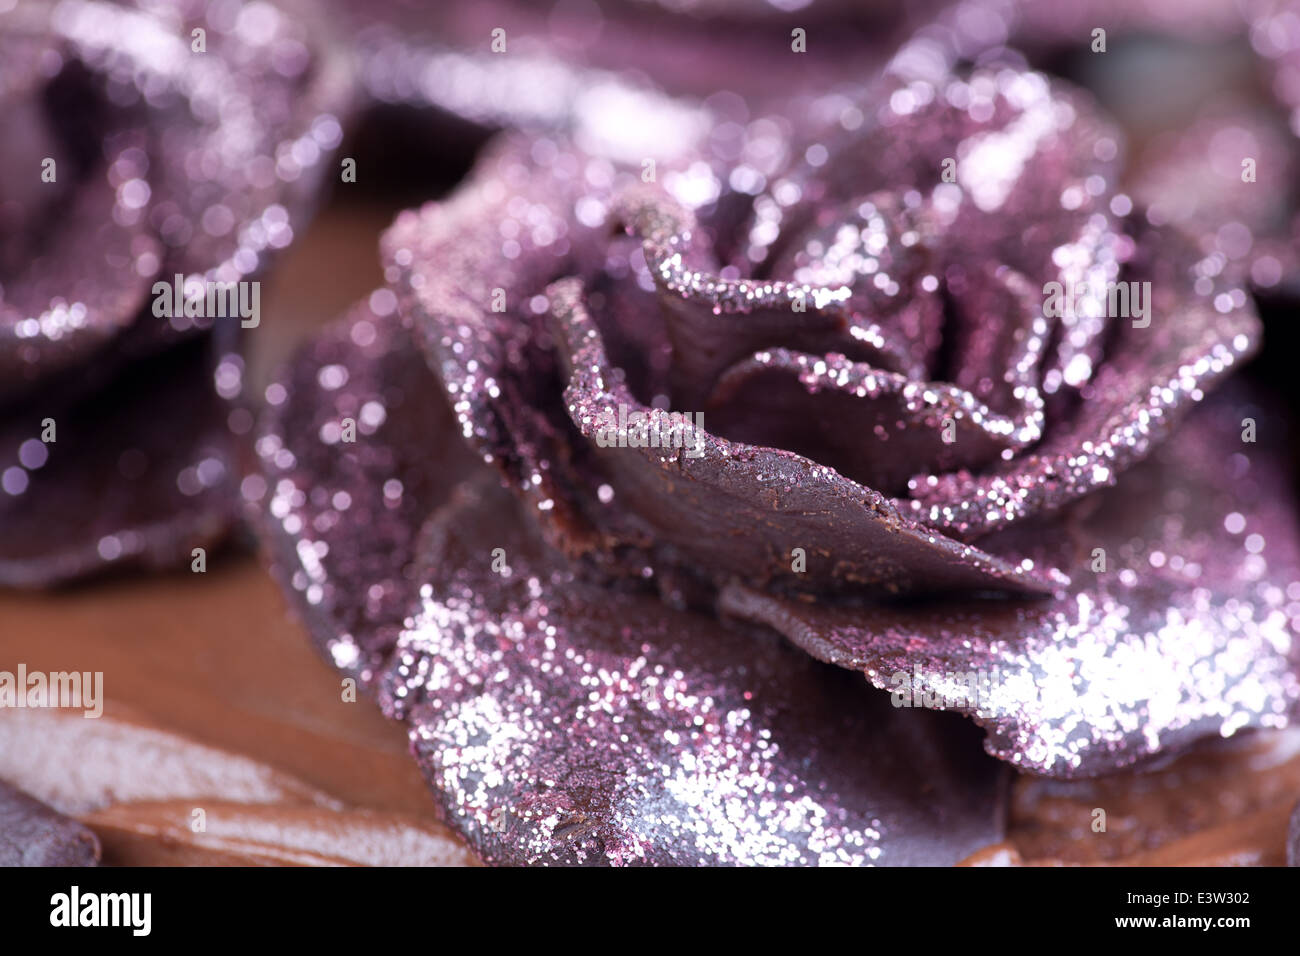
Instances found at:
x=213 y=702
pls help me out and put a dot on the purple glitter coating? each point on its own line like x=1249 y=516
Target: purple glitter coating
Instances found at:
x=351 y=577
x=729 y=518
x=524 y=660
x=1180 y=624
x=559 y=722
x=33 y=834
x=205 y=164
x=1293 y=839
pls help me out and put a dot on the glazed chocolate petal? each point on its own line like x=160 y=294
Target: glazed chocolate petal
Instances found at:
x=80 y=766
x=1190 y=630
x=137 y=475
x=713 y=322
x=559 y=723
x=241 y=834
x=85 y=286
x=877 y=428
x=1033 y=169
x=31 y=834
x=354 y=589
x=876 y=247
x=256 y=815
x=734 y=509
x=447 y=262
x=864 y=782
x=1200 y=328
x=999 y=340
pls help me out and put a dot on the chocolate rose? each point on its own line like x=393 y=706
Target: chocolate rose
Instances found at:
x=144 y=152
x=877 y=402
x=853 y=457
x=556 y=720
x=922 y=378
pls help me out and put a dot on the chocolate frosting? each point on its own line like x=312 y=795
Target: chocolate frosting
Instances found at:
x=197 y=806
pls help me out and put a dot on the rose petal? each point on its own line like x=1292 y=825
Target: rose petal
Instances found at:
x=876 y=246
x=238 y=137
x=877 y=428
x=476 y=303
x=999 y=340
x=35 y=835
x=353 y=589
x=1190 y=630
x=1004 y=163
x=737 y=748
x=139 y=474
x=556 y=731
x=733 y=509
x=212 y=161
x=713 y=322
x=79 y=291
x=1200 y=326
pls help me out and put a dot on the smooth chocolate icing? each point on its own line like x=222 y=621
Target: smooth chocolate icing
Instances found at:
x=1224 y=803
x=155 y=798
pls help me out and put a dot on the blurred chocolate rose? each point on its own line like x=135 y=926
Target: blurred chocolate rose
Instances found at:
x=154 y=157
